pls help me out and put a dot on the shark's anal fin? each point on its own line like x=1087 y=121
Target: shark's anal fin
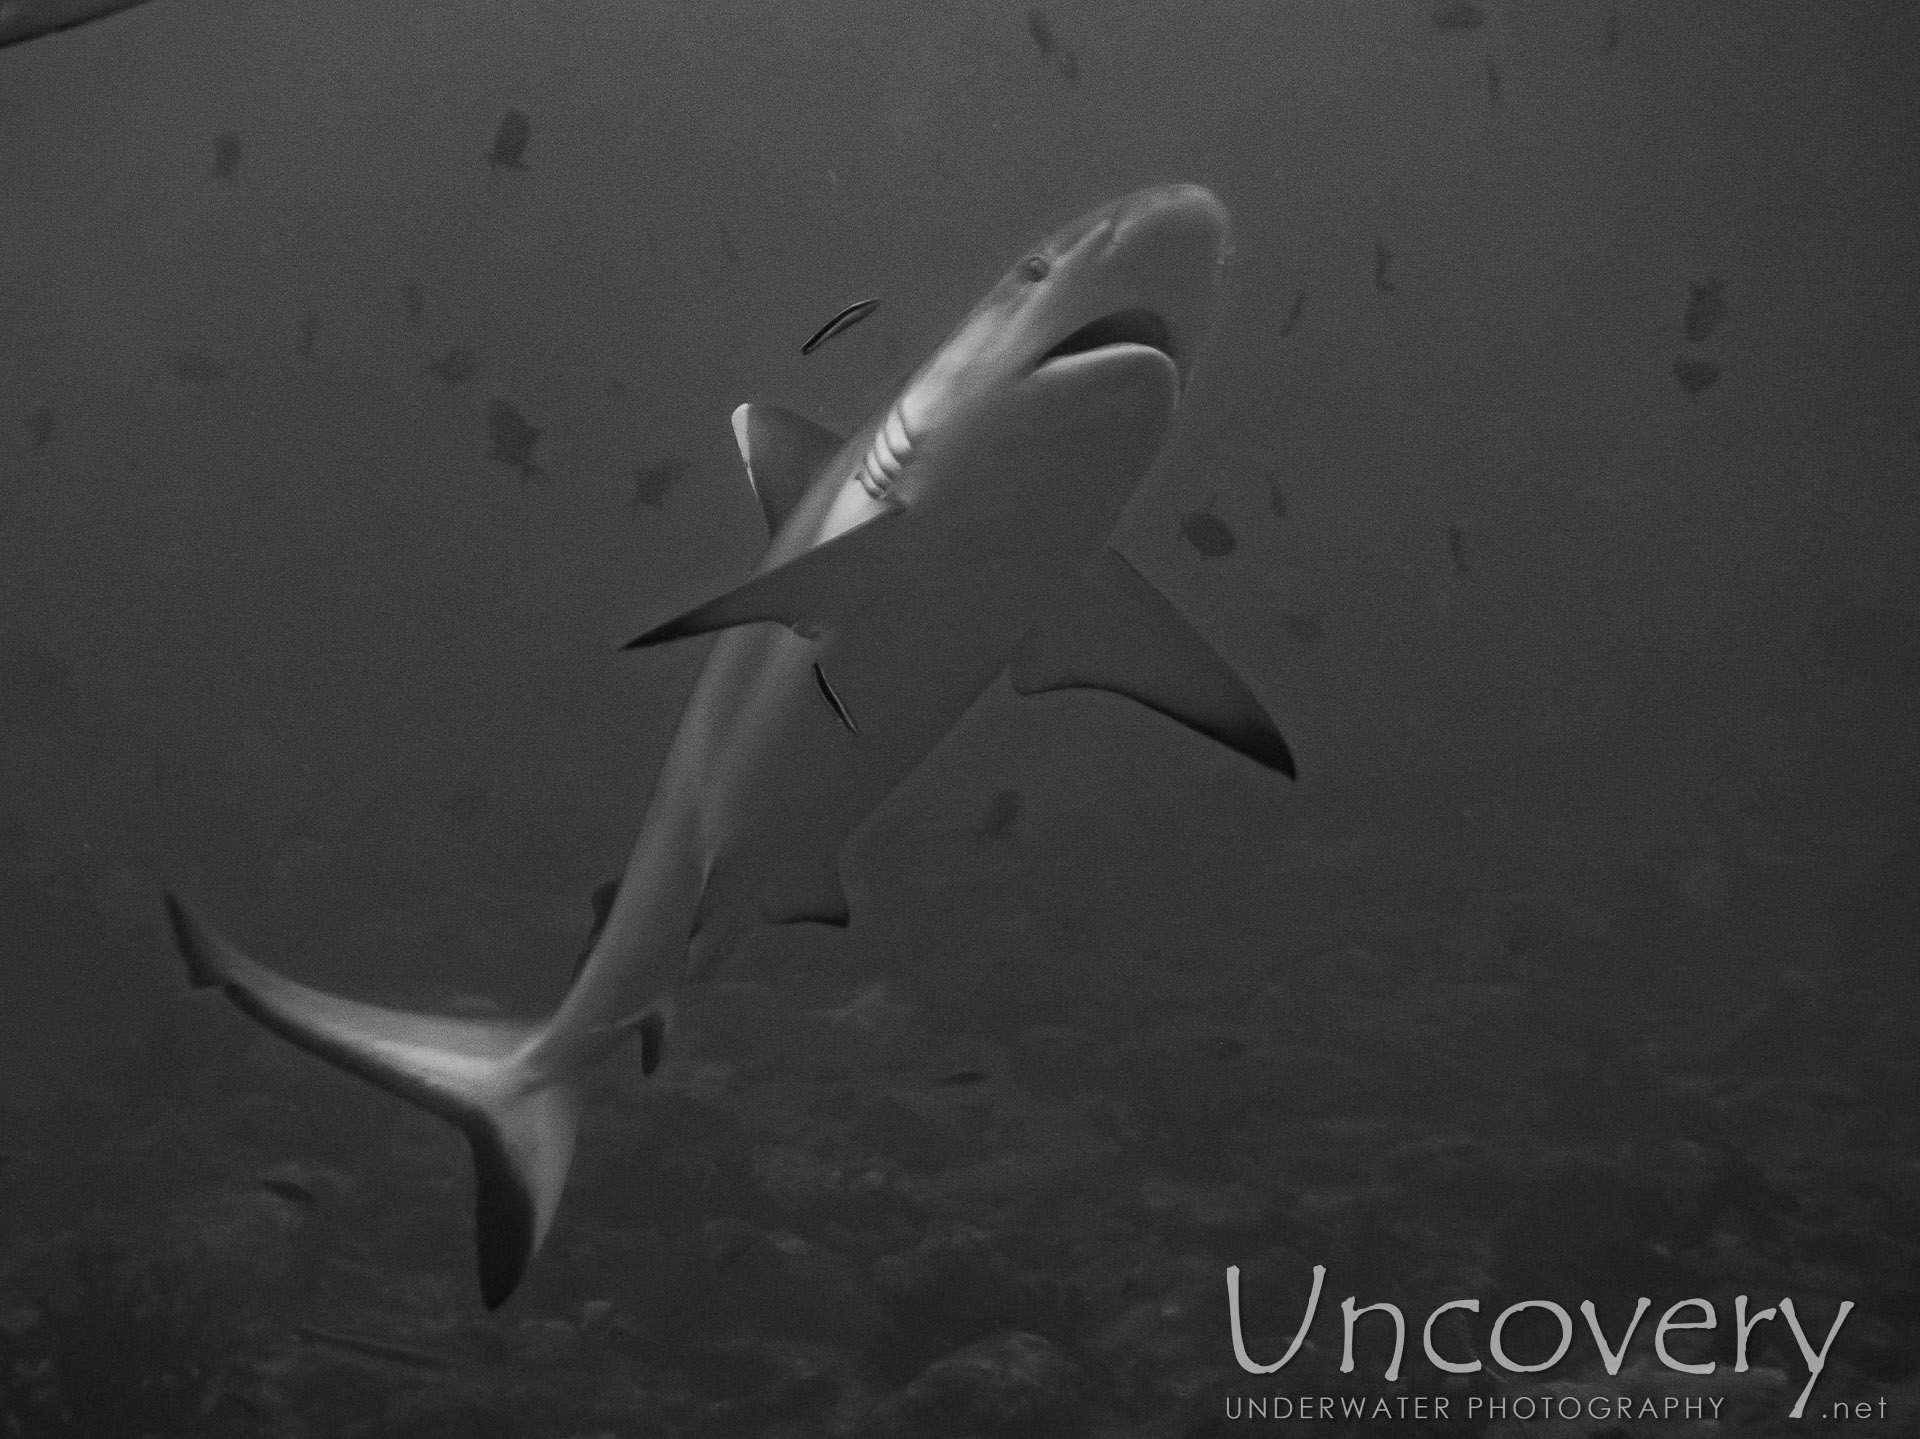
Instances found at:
x=782 y=452
x=808 y=892
x=1118 y=633
x=809 y=594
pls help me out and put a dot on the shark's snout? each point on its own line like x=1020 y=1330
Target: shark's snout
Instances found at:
x=1183 y=216
x=1160 y=266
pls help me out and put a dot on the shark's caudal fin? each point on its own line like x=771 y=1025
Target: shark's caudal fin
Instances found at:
x=521 y=1125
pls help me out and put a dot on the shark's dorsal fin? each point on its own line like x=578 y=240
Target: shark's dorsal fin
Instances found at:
x=782 y=452
x=809 y=594
x=1117 y=632
x=808 y=891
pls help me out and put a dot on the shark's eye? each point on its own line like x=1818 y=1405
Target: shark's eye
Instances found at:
x=1035 y=267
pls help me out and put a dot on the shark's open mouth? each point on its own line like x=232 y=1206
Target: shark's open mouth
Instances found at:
x=1122 y=327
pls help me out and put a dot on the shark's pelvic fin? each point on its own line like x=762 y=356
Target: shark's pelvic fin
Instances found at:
x=652 y=1030
x=1118 y=633
x=604 y=895
x=782 y=452
x=810 y=593
x=521 y=1125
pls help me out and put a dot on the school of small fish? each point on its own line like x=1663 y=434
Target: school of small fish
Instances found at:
x=513 y=438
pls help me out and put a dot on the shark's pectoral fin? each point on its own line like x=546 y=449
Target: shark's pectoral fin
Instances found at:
x=782 y=452
x=1118 y=633
x=806 y=893
x=809 y=594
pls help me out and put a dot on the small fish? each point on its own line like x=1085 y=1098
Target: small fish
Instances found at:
x=291 y=1190
x=833 y=700
x=509 y=150
x=651 y=483
x=367 y=1348
x=309 y=333
x=1457 y=547
x=1493 y=86
x=843 y=321
x=1225 y=1046
x=962 y=1077
x=1052 y=52
x=1276 y=497
x=726 y=243
x=1303 y=627
x=511 y=438
x=1706 y=308
x=40 y=425
x=1208 y=533
x=226 y=156
x=1299 y=308
x=415 y=299
x=1611 y=39
x=1382 y=257
x=1693 y=376
x=1003 y=813
x=197 y=369
x=455 y=366
x=1041 y=30
x=1457 y=15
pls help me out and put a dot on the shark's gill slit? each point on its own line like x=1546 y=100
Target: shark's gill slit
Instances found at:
x=1122 y=327
x=886 y=456
x=826 y=691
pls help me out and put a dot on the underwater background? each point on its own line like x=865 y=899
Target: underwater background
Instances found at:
x=1554 y=477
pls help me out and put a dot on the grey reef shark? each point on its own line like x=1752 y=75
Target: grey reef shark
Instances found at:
x=958 y=535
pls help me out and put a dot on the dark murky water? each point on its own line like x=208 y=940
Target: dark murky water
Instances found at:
x=1554 y=477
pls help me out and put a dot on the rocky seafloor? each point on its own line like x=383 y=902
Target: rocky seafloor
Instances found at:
x=999 y=1197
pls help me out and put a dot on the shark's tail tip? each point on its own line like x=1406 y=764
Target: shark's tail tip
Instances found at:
x=198 y=945
x=504 y=1220
x=522 y=1150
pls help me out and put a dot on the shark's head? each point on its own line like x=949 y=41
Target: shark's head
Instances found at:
x=1140 y=270
x=1131 y=285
